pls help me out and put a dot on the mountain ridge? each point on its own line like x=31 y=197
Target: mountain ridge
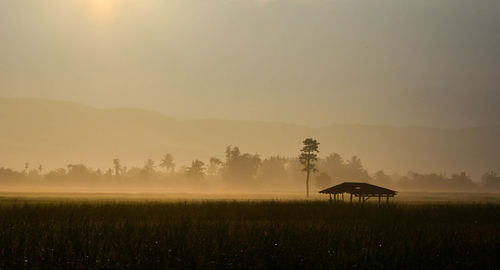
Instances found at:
x=55 y=133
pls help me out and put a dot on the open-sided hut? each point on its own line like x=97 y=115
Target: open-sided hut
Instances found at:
x=362 y=191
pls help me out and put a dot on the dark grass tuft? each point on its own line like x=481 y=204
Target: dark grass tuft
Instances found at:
x=246 y=235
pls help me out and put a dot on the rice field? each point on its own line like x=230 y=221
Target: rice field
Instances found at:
x=249 y=234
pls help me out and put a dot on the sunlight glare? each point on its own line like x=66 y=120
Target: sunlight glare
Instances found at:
x=102 y=7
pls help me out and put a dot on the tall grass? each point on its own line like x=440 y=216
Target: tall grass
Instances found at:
x=221 y=234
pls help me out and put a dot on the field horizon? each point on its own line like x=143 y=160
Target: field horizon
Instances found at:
x=235 y=196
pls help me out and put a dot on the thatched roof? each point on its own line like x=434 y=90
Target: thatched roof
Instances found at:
x=358 y=188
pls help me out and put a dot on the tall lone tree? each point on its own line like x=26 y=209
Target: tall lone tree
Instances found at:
x=308 y=157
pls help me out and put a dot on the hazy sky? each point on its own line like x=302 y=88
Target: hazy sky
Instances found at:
x=396 y=62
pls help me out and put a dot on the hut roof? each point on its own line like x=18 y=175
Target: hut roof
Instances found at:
x=357 y=188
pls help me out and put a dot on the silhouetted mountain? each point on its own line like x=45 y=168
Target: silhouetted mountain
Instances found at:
x=55 y=133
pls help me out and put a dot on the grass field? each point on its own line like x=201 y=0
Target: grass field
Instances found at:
x=100 y=233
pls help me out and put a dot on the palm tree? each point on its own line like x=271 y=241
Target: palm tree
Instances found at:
x=167 y=162
x=117 y=166
x=26 y=167
x=149 y=168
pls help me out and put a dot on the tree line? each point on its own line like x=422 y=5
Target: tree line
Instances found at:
x=246 y=170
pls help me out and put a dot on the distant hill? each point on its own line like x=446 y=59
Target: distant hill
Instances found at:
x=55 y=133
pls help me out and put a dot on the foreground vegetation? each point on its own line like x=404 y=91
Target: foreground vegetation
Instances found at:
x=238 y=234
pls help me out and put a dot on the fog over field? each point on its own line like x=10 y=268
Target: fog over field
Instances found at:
x=53 y=134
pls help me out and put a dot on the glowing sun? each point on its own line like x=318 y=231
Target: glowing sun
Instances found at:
x=102 y=7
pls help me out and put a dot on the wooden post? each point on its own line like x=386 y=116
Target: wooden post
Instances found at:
x=330 y=196
x=351 y=197
x=342 y=196
x=379 y=195
x=359 y=199
x=387 y=198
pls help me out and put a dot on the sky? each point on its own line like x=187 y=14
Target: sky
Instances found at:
x=312 y=62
